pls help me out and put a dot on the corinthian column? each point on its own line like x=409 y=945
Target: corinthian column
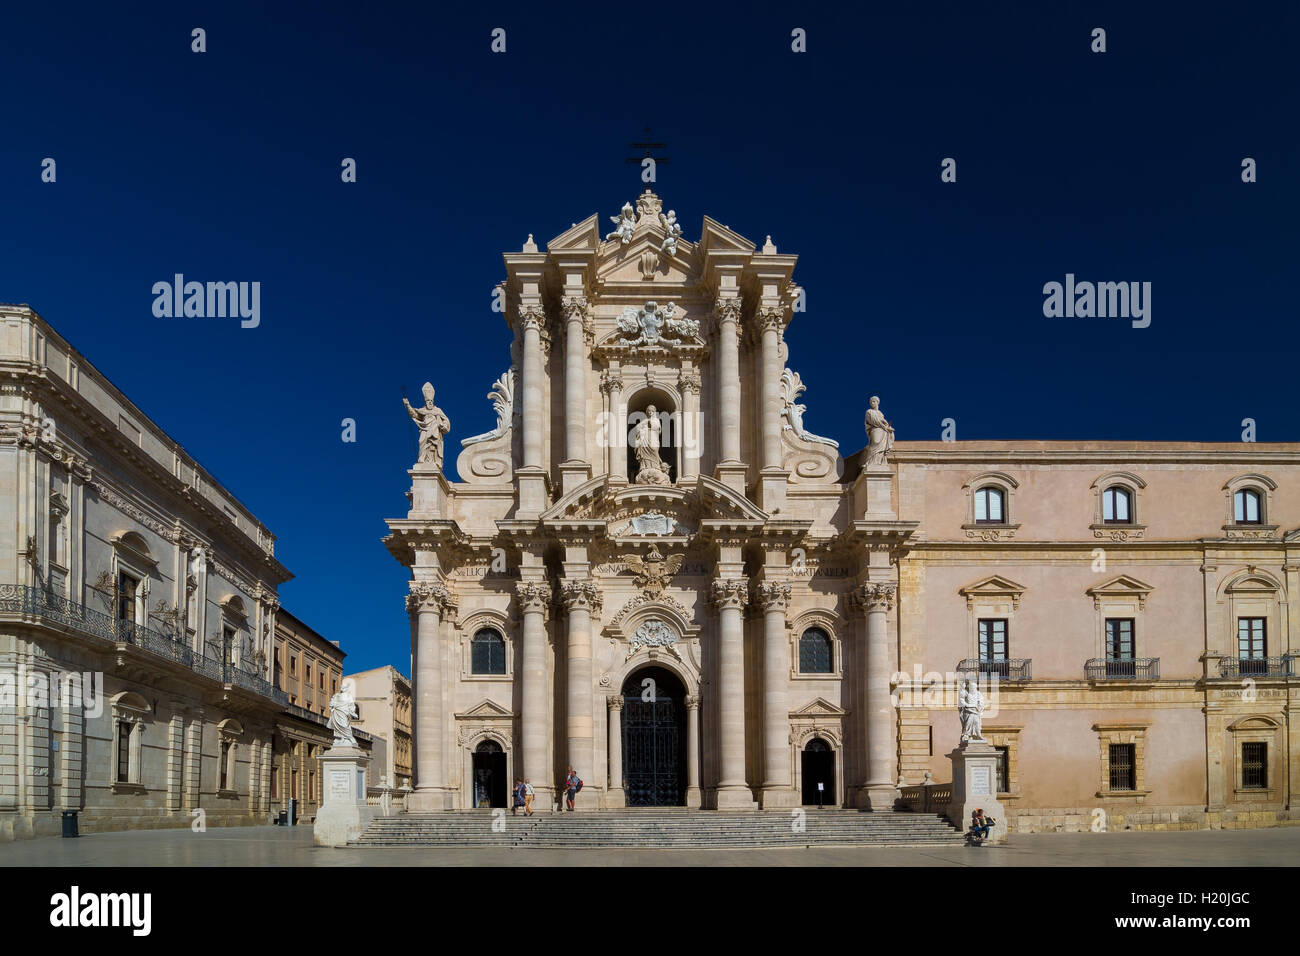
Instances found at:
x=727 y=310
x=575 y=379
x=693 y=751
x=689 y=384
x=530 y=321
x=730 y=596
x=778 y=790
x=615 y=797
x=769 y=323
x=534 y=598
x=580 y=599
x=426 y=602
x=880 y=791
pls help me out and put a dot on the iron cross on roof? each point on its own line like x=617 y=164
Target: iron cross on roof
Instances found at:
x=649 y=146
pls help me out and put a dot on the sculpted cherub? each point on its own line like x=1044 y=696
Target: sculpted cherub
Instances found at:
x=672 y=232
x=626 y=223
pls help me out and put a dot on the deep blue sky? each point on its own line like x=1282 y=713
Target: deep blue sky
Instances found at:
x=225 y=166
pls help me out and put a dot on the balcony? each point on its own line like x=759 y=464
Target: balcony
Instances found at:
x=1013 y=669
x=1131 y=669
x=1235 y=668
x=53 y=609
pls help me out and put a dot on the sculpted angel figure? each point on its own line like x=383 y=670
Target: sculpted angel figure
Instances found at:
x=433 y=425
x=672 y=232
x=880 y=434
x=626 y=223
x=645 y=442
x=970 y=708
x=343 y=707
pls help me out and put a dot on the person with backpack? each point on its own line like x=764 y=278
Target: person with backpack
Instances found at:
x=517 y=795
x=572 y=786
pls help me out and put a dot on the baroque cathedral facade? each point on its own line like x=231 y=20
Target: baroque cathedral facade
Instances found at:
x=651 y=572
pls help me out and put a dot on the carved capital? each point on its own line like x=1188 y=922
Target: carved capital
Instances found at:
x=615 y=702
x=531 y=317
x=692 y=702
x=689 y=382
x=875 y=597
x=427 y=596
x=533 y=596
x=726 y=309
x=772 y=596
x=730 y=593
x=581 y=595
x=769 y=318
x=610 y=382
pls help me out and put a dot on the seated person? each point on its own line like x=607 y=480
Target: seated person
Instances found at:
x=980 y=825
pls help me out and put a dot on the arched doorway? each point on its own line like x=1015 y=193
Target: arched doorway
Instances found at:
x=818 y=767
x=490 y=784
x=654 y=739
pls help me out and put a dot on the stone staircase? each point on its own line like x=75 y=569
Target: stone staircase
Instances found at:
x=667 y=828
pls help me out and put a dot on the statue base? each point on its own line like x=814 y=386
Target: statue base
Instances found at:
x=344 y=815
x=429 y=491
x=974 y=787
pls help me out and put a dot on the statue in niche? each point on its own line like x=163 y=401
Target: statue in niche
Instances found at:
x=626 y=223
x=433 y=425
x=645 y=443
x=880 y=435
x=343 y=708
x=672 y=232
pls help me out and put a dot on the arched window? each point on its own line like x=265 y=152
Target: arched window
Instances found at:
x=990 y=506
x=488 y=652
x=815 y=653
x=1117 y=506
x=1247 y=507
x=818 y=746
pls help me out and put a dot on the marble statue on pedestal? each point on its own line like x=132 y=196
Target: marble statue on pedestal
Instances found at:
x=880 y=434
x=433 y=425
x=970 y=708
x=343 y=707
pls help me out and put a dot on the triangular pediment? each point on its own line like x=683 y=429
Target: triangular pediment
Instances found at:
x=993 y=586
x=821 y=707
x=485 y=709
x=715 y=237
x=1120 y=585
x=581 y=235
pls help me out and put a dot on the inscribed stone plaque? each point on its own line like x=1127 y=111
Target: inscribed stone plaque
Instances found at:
x=979 y=782
x=340 y=785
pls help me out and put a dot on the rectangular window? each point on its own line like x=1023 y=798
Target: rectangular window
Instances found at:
x=127 y=587
x=123 y=751
x=293 y=784
x=1004 y=769
x=1123 y=767
x=227 y=645
x=293 y=666
x=993 y=639
x=275 y=782
x=225 y=763
x=1251 y=646
x=1254 y=765
x=1119 y=638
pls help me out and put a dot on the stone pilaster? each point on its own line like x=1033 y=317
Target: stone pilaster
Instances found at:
x=534 y=599
x=693 y=794
x=193 y=757
x=175 y=760
x=730 y=596
x=581 y=599
x=427 y=601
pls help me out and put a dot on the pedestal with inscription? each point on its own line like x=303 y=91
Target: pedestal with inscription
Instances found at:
x=974 y=787
x=343 y=814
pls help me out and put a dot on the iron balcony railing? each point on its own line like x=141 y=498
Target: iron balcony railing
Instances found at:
x=1013 y=669
x=1235 y=668
x=1114 y=668
x=19 y=599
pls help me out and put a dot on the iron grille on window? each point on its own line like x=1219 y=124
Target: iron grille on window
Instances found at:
x=1254 y=765
x=1123 y=767
x=123 y=751
x=488 y=653
x=815 y=652
x=1004 y=769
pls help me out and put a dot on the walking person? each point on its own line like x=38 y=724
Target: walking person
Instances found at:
x=528 y=798
x=516 y=797
x=572 y=785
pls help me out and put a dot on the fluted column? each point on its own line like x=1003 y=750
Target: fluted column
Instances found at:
x=689 y=384
x=534 y=600
x=778 y=790
x=575 y=379
x=730 y=596
x=693 y=751
x=581 y=599
x=882 y=745
x=426 y=601
x=530 y=320
x=728 y=316
x=616 y=797
x=770 y=322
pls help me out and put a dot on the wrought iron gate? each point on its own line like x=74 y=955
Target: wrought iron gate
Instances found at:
x=652 y=758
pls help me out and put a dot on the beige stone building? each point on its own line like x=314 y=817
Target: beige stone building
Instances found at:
x=384 y=702
x=139 y=614
x=652 y=571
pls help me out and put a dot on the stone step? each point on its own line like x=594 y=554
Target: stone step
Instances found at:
x=661 y=827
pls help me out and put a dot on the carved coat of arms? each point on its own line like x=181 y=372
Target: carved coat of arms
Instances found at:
x=652 y=325
x=654 y=571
